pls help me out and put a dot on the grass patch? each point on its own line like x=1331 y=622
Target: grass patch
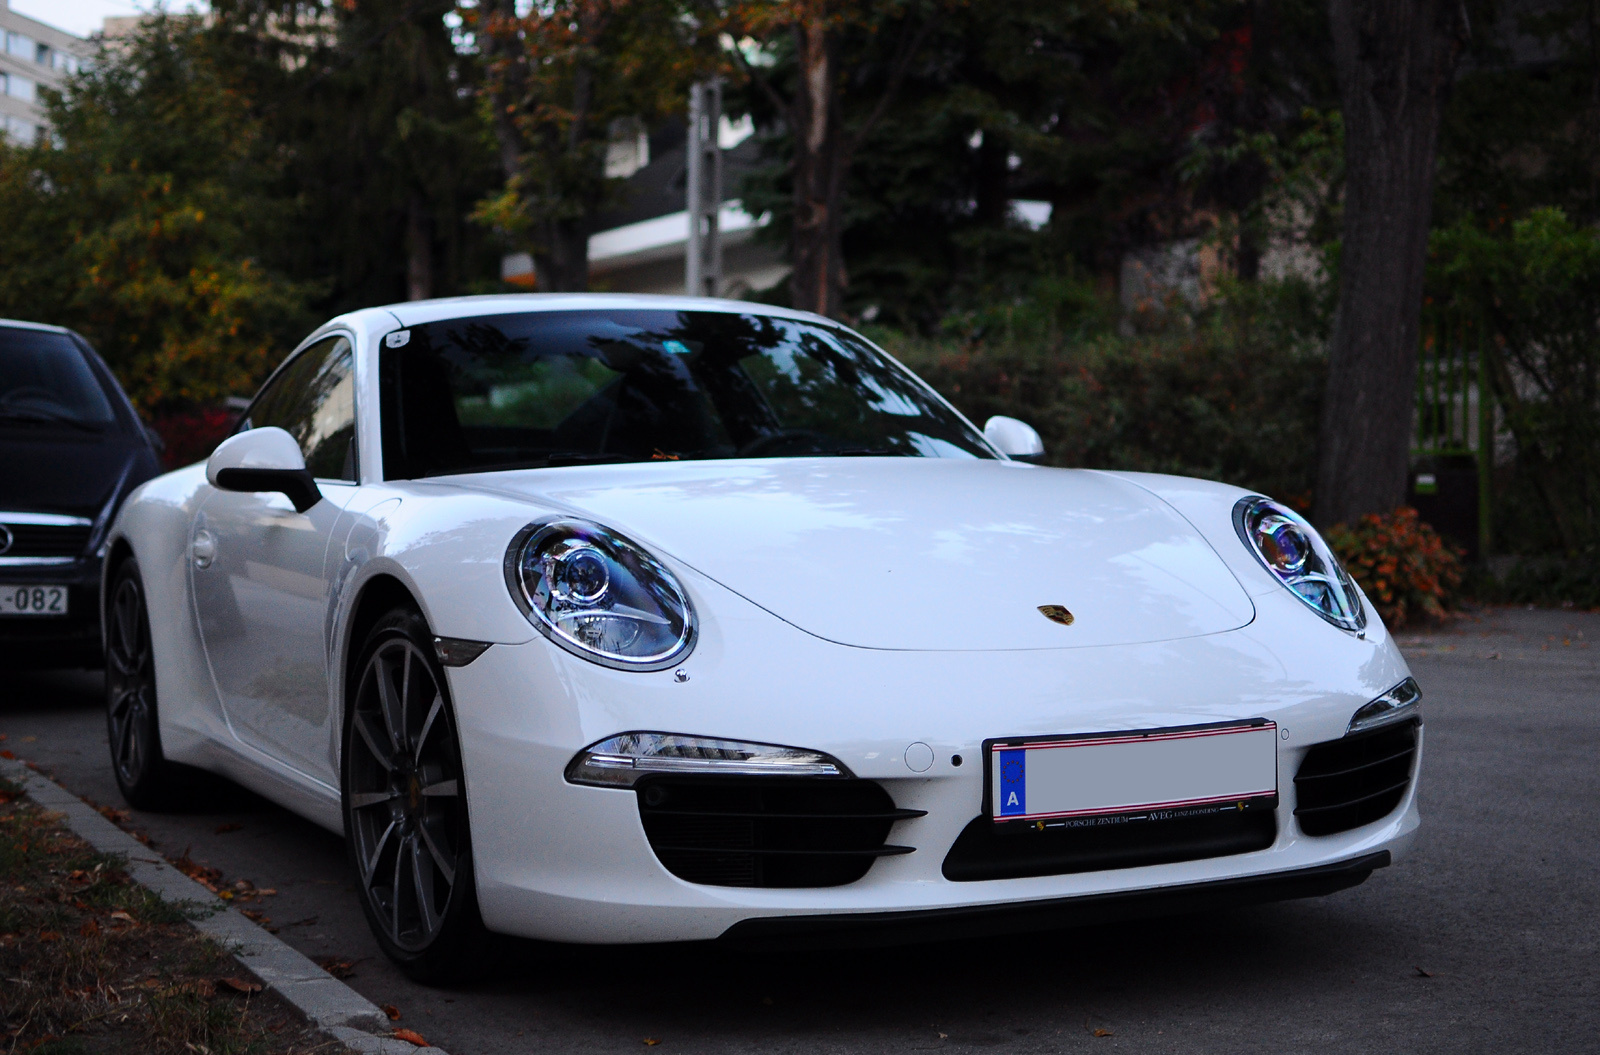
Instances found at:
x=94 y=963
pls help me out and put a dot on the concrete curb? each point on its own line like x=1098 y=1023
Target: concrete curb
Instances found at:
x=327 y=1003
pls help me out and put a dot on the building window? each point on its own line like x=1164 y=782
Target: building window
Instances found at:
x=19 y=46
x=19 y=87
x=19 y=130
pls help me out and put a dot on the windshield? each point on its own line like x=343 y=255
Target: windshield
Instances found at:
x=45 y=379
x=575 y=387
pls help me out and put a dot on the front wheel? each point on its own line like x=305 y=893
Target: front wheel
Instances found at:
x=405 y=806
x=147 y=780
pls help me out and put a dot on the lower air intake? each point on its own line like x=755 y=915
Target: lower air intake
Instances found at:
x=980 y=852
x=768 y=832
x=1354 y=781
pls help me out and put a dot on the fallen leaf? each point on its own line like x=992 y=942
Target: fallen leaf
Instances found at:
x=7 y=754
x=2 y=736
x=49 y=935
x=651 y=1042
x=266 y=892
x=392 y=1011
x=123 y=916
x=89 y=929
x=258 y=917
x=1423 y=974
x=1102 y=1033
x=29 y=739
x=113 y=814
x=224 y=829
x=239 y=985
x=411 y=1036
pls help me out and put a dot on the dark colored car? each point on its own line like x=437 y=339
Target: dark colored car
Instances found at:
x=71 y=448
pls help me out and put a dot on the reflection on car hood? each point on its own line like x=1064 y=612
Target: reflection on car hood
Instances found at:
x=914 y=553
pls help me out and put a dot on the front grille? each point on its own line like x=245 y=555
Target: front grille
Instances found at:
x=46 y=540
x=1354 y=781
x=768 y=832
x=980 y=852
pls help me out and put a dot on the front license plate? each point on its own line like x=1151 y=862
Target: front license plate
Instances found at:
x=33 y=600
x=1049 y=781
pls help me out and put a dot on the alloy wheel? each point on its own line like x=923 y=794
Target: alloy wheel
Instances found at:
x=130 y=684
x=405 y=802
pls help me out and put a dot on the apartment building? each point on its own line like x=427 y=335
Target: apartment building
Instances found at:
x=32 y=56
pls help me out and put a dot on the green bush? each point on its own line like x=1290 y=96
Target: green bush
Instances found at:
x=1531 y=288
x=1230 y=392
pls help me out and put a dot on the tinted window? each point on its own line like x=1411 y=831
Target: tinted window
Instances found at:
x=44 y=377
x=561 y=388
x=314 y=400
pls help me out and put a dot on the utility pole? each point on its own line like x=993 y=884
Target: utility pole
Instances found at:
x=703 y=264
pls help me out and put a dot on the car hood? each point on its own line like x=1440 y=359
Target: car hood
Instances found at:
x=919 y=553
x=51 y=471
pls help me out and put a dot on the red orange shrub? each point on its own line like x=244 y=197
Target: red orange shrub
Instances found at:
x=1406 y=569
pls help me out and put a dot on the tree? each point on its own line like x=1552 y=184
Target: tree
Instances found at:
x=370 y=120
x=814 y=33
x=557 y=79
x=1396 y=61
x=139 y=222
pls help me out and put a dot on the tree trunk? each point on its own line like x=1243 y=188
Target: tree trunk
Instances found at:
x=419 y=250
x=1396 y=60
x=561 y=264
x=818 y=280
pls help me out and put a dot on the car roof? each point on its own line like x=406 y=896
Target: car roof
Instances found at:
x=46 y=327
x=417 y=312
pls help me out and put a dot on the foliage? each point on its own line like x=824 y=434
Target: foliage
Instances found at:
x=1405 y=568
x=1100 y=110
x=1231 y=394
x=558 y=79
x=138 y=223
x=370 y=128
x=1546 y=581
x=1532 y=287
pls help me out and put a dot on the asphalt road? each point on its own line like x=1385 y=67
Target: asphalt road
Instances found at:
x=1484 y=940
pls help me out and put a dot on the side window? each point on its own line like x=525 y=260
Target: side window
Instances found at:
x=314 y=400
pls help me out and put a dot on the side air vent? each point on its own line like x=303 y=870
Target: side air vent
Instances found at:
x=768 y=832
x=1346 y=783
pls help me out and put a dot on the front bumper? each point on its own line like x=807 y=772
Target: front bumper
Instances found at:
x=72 y=640
x=570 y=863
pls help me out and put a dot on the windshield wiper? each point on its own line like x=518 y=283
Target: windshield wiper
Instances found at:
x=41 y=418
x=861 y=452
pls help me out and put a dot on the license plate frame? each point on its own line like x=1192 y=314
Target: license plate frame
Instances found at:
x=1249 y=791
x=39 y=600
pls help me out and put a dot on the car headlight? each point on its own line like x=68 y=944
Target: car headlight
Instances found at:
x=1292 y=551
x=618 y=762
x=1399 y=703
x=599 y=595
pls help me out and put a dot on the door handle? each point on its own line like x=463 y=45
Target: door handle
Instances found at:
x=203 y=549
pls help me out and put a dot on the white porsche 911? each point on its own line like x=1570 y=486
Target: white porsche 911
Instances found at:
x=633 y=619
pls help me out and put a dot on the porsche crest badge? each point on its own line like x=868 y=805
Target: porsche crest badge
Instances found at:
x=1056 y=614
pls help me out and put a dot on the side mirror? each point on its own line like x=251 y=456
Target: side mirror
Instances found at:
x=1013 y=438
x=266 y=459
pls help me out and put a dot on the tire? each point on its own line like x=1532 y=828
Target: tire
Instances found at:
x=133 y=728
x=405 y=806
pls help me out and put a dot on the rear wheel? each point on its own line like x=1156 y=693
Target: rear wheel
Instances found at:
x=405 y=806
x=147 y=780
